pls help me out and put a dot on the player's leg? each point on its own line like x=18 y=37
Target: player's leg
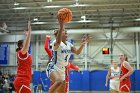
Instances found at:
x=117 y=84
x=123 y=92
x=67 y=87
x=61 y=88
x=114 y=86
x=113 y=91
x=56 y=78
x=66 y=81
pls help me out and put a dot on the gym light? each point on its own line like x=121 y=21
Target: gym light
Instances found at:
x=49 y=1
x=51 y=6
x=85 y=21
x=35 y=19
x=20 y=8
x=137 y=19
x=16 y=3
x=39 y=23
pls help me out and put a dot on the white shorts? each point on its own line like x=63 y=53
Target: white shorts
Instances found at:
x=52 y=67
x=114 y=84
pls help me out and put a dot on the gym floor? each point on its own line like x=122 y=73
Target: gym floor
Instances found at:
x=95 y=92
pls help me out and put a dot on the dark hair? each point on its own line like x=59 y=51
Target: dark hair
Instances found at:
x=19 y=44
x=126 y=58
x=55 y=32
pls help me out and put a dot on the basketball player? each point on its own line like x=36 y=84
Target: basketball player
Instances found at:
x=23 y=76
x=126 y=71
x=113 y=74
x=61 y=54
x=67 y=73
x=46 y=46
x=67 y=68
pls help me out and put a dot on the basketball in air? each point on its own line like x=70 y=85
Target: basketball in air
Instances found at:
x=65 y=14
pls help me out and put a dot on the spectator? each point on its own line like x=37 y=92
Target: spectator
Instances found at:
x=1 y=83
x=6 y=84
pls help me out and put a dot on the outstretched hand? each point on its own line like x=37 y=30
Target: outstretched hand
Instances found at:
x=26 y=32
x=79 y=71
x=29 y=26
x=85 y=39
x=106 y=84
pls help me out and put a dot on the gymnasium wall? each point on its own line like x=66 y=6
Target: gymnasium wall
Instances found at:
x=94 y=51
x=86 y=80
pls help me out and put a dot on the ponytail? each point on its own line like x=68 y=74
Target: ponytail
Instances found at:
x=18 y=49
x=126 y=58
x=19 y=44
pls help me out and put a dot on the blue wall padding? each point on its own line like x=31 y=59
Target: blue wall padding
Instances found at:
x=97 y=80
x=46 y=84
x=86 y=80
x=75 y=81
x=43 y=75
x=36 y=75
x=137 y=80
x=132 y=78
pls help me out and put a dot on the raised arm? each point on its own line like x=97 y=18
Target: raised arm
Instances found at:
x=84 y=41
x=26 y=42
x=72 y=66
x=46 y=47
x=59 y=33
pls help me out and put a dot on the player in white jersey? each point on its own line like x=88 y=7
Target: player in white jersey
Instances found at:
x=60 y=57
x=113 y=74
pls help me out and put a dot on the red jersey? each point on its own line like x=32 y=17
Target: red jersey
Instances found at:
x=124 y=71
x=125 y=85
x=24 y=66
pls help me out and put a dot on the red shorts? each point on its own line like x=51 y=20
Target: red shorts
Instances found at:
x=21 y=86
x=125 y=85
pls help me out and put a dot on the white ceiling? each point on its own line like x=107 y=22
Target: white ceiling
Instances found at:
x=100 y=14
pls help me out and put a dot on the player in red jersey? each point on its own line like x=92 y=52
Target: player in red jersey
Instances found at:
x=46 y=46
x=126 y=71
x=68 y=67
x=23 y=76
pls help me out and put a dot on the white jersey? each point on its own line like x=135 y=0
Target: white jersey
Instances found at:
x=115 y=72
x=114 y=83
x=62 y=54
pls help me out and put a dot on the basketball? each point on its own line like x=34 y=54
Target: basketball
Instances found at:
x=65 y=14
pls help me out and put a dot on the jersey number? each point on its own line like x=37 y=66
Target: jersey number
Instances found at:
x=66 y=58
